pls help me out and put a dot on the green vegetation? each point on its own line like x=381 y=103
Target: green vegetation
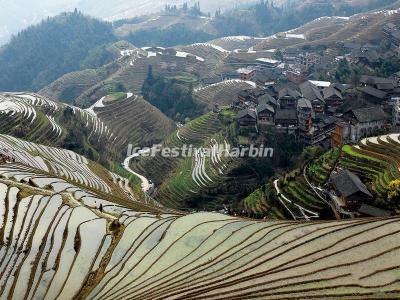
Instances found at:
x=77 y=137
x=114 y=97
x=319 y=169
x=394 y=191
x=350 y=151
x=351 y=73
x=178 y=34
x=261 y=19
x=174 y=100
x=97 y=57
x=185 y=78
x=266 y=18
x=134 y=181
x=56 y=46
x=378 y=166
x=262 y=203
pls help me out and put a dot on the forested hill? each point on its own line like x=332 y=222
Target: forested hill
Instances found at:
x=42 y=53
x=265 y=17
x=70 y=42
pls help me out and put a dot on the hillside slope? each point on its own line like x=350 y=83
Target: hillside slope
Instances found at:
x=43 y=120
x=304 y=191
x=128 y=72
x=55 y=245
x=60 y=170
x=40 y=54
x=329 y=31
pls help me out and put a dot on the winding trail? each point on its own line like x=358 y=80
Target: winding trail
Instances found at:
x=319 y=192
x=145 y=182
x=99 y=103
x=302 y=210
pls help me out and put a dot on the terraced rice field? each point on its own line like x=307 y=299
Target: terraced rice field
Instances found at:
x=61 y=170
x=128 y=121
x=319 y=170
x=182 y=177
x=60 y=240
x=25 y=110
x=42 y=115
x=360 y=28
x=62 y=163
x=236 y=42
x=260 y=204
x=223 y=93
x=54 y=247
x=376 y=160
x=134 y=121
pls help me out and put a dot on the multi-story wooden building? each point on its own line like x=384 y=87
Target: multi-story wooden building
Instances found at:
x=304 y=114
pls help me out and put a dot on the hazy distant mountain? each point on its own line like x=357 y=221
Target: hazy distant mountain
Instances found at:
x=16 y=15
x=44 y=52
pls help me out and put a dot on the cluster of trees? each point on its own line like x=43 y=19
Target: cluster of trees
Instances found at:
x=97 y=57
x=194 y=10
x=178 y=34
x=42 y=53
x=351 y=73
x=173 y=99
x=265 y=18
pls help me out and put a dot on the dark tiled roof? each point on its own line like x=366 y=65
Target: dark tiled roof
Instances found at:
x=347 y=184
x=340 y=87
x=289 y=92
x=330 y=91
x=286 y=114
x=373 y=211
x=258 y=92
x=267 y=98
x=264 y=107
x=263 y=78
x=244 y=94
x=326 y=122
x=385 y=86
x=369 y=90
x=245 y=112
x=304 y=103
x=371 y=80
x=311 y=92
x=369 y=114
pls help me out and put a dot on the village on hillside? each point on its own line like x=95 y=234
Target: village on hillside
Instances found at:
x=288 y=96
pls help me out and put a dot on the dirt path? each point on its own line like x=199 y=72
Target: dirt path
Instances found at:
x=145 y=182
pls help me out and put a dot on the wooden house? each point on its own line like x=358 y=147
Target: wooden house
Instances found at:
x=350 y=190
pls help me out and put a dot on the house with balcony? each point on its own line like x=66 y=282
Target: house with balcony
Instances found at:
x=288 y=98
x=358 y=124
x=266 y=114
